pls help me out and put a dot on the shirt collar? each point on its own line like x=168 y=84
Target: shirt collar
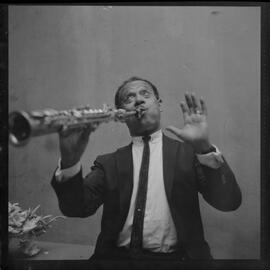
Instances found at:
x=155 y=137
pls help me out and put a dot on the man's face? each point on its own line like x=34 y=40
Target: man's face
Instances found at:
x=140 y=95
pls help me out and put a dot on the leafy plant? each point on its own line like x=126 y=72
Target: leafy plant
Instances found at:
x=26 y=222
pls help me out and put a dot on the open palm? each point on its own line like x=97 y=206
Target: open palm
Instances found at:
x=195 y=130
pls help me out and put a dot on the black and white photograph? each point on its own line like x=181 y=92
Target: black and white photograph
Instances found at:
x=134 y=135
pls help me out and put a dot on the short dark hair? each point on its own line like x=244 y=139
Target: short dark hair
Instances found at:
x=117 y=98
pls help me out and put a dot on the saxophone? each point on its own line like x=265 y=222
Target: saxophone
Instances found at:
x=24 y=125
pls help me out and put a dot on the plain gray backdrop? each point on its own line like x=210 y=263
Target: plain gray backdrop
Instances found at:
x=66 y=56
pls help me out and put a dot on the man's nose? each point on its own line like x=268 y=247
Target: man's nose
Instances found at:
x=139 y=100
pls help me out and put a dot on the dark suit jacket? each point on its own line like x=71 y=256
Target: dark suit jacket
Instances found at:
x=111 y=181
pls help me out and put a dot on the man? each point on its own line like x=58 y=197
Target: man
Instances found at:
x=165 y=222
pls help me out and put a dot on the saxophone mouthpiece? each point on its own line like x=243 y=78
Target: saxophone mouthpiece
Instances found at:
x=139 y=113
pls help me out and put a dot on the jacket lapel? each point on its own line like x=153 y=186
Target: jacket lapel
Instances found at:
x=124 y=165
x=170 y=148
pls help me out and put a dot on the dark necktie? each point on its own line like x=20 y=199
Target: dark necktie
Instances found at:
x=136 y=240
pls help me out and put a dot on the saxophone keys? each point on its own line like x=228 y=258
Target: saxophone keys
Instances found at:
x=77 y=113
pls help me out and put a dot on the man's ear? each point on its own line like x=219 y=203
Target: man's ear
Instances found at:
x=159 y=103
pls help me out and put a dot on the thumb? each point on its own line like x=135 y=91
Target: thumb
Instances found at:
x=176 y=131
x=86 y=131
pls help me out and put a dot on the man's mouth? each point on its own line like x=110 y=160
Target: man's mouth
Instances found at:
x=140 y=112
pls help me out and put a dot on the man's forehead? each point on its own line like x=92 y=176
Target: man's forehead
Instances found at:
x=135 y=86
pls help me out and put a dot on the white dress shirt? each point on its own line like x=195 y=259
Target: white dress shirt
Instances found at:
x=159 y=233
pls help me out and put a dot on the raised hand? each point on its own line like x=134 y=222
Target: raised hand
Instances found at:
x=73 y=143
x=195 y=130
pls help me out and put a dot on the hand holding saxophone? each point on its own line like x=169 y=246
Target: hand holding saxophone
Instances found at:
x=73 y=142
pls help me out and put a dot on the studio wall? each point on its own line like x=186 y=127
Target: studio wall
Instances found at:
x=67 y=56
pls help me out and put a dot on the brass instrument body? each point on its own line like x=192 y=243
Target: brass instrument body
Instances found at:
x=23 y=125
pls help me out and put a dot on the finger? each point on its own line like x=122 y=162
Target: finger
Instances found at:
x=189 y=102
x=65 y=131
x=91 y=127
x=203 y=106
x=195 y=103
x=176 y=131
x=86 y=131
x=94 y=126
x=184 y=108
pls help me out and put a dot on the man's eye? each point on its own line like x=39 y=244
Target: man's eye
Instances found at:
x=146 y=93
x=128 y=99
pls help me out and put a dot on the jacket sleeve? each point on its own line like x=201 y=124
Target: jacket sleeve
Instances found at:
x=78 y=196
x=218 y=186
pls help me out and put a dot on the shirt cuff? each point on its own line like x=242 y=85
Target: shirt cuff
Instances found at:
x=213 y=159
x=65 y=174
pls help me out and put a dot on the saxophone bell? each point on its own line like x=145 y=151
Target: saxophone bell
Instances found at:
x=19 y=128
